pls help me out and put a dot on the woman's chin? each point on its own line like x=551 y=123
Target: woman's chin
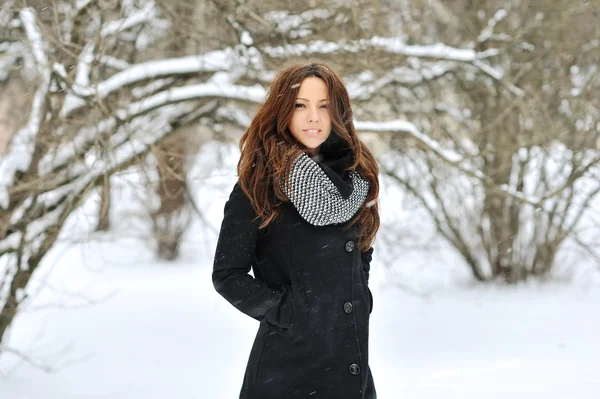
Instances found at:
x=313 y=144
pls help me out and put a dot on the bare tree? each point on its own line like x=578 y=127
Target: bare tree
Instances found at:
x=93 y=114
x=531 y=130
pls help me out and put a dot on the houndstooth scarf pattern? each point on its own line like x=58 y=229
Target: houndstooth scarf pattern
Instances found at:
x=317 y=199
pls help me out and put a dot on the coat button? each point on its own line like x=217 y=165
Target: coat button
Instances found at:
x=354 y=369
x=349 y=246
x=348 y=307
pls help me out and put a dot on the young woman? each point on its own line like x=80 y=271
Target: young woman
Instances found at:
x=303 y=216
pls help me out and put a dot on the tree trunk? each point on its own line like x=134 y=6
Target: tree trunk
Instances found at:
x=171 y=189
x=104 y=211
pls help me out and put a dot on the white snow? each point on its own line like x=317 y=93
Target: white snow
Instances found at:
x=67 y=152
x=34 y=37
x=86 y=172
x=488 y=31
x=152 y=87
x=79 y=4
x=394 y=45
x=137 y=17
x=23 y=142
x=254 y=93
x=117 y=323
x=34 y=229
x=212 y=61
x=296 y=25
x=82 y=79
x=246 y=39
x=364 y=85
x=115 y=62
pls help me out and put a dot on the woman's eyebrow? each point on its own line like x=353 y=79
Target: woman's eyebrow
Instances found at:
x=300 y=98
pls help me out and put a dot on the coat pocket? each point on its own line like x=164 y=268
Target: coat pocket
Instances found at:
x=282 y=314
x=299 y=318
x=290 y=315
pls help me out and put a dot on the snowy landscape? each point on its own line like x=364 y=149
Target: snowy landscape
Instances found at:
x=482 y=116
x=113 y=322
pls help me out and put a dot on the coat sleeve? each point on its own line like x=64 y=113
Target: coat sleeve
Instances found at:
x=366 y=264
x=234 y=258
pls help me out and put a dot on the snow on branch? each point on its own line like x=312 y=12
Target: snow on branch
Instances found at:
x=488 y=32
x=81 y=4
x=365 y=84
x=137 y=18
x=127 y=148
x=152 y=87
x=114 y=62
x=286 y=21
x=22 y=144
x=5 y=12
x=498 y=75
x=449 y=156
x=87 y=136
x=393 y=45
x=35 y=229
x=35 y=38
x=213 y=61
x=297 y=25
x=396 y=45
x=254 y=94
x=407 y=127
x=82 y=78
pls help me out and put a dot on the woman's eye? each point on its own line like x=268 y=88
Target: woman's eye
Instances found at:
x=304 y=106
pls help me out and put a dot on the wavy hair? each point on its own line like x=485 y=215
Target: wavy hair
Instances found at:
x=268 y=148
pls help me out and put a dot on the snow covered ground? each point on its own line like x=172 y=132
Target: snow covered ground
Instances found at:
x=116 y=323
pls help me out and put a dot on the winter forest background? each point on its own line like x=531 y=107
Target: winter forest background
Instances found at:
x=119 y=123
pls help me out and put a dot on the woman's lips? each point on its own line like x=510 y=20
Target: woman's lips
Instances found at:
x=312 y=132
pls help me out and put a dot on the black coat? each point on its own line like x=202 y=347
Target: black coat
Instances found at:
x=310 y=293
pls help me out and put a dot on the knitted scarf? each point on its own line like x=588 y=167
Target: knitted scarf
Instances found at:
x=322 y=190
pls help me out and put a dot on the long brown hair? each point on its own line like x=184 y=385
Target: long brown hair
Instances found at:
x=268 y=148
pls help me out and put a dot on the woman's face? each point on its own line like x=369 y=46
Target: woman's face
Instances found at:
x=311 y=122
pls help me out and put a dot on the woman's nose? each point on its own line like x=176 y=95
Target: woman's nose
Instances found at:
x=313 y=116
